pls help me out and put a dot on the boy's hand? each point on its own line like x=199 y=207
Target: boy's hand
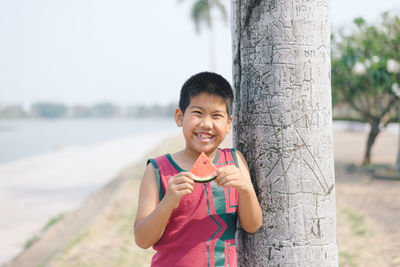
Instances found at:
x=232 y=176
x=178 y=186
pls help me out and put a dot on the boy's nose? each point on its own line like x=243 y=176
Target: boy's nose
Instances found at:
x=206 y=123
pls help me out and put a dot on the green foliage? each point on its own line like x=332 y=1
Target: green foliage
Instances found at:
x=104 y=110
x=53 y=221
x=31 y=241
x=347 y=259
x=366 y=66
x=201 y=12
x=13 y=111
x=357 y=222
x=49 y=110
x=49 y=224
x=366 y=71
x=152 y=111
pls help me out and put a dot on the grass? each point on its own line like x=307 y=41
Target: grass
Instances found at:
x=45 y=228
x=53 y=221
x=31 y=241
x=355 y=234
x=354 y=225
x=356 y=221
x=347 y=259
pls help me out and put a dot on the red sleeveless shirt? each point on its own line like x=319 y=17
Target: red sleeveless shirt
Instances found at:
x=201 y=231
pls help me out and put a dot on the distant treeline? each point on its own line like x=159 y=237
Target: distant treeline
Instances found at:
x=101 y=110
x=341 y=111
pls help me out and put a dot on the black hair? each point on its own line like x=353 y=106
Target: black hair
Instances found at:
x=206 y=82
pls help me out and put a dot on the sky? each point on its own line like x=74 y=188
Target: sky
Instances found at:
x=127 y=52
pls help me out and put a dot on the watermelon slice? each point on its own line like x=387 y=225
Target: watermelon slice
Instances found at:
x=203 y=169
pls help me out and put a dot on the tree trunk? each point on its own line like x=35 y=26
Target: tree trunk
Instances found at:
x=373 y=133
x=398 y=145
x=283 y=126
x=212 y=49
x=211 y=41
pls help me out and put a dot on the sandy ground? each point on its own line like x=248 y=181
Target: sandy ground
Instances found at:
x=368 y=213
x=368 y=209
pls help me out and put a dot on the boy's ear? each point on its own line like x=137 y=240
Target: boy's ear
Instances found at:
x=179 y=117
x=229 y=126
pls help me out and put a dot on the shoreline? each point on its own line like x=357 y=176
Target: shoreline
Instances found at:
x=77 y=224
x=39 y=188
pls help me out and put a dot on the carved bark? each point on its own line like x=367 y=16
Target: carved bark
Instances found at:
x=283 y=126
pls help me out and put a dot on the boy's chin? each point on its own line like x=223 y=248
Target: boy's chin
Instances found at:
x=206 y=149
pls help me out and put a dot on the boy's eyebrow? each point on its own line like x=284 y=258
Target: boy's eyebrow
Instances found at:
x=193 y=107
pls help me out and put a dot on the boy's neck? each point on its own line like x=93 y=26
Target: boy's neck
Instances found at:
x=193 y=155
x=186 y=158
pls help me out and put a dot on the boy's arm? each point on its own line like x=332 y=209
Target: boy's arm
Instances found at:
x=249 y=210
x=152 y=214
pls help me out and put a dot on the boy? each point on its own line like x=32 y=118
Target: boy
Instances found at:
x=188 y=223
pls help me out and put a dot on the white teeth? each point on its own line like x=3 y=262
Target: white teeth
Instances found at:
x=204 y=135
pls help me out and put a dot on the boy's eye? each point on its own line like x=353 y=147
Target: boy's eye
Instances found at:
x=196 y=112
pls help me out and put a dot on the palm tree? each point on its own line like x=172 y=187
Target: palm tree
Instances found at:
x=201 y=14
x=283 y=126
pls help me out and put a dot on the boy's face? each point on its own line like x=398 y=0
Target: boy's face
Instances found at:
x=205 y=123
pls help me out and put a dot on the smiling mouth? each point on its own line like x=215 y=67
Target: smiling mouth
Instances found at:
x=204 y=137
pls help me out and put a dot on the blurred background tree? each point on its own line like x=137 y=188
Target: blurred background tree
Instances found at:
x=366 y=72
x=104 y=110
x=49 y=110
x=202 y=14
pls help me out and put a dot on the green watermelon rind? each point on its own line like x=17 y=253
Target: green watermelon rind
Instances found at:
x=203 y=180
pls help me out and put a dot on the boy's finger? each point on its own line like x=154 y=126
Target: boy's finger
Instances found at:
x=223 y=180
x=184 y=179
x=226 y=179
x=226 y=169
x=219 y=170
x=188 y=174
x=220 y=175
x=184 y=186
x=190 y=177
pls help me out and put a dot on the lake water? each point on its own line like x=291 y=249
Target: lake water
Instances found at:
x=23 y=138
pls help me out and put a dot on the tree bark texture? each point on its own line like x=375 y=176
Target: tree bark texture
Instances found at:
x=283 y=126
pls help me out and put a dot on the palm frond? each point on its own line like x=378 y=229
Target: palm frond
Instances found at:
x=200 y=13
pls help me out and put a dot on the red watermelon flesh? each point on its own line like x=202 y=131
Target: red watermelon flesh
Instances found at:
x=203 y=169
